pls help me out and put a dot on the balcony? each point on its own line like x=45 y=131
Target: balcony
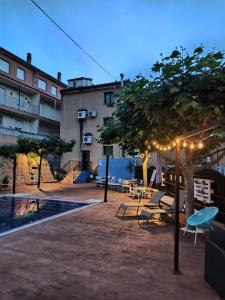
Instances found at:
x=21 y=105
x=20 y=133
x=50 y=115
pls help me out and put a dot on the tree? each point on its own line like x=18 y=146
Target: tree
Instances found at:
x=187 y=91
x=10 y=151
x=130 y=127
x=51 y=145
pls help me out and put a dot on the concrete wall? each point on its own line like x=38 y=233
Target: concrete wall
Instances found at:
x=70 y=124
x=4 y=139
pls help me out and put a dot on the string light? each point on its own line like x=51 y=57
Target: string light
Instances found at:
x=184 y=144
x=200 y=145
x=192 y=146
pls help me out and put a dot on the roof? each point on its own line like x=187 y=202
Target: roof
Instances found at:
x=93 y=87
x=30 y=66
x=80 y=78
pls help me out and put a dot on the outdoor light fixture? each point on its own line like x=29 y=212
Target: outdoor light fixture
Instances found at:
x=200 y=145
x=192 y=146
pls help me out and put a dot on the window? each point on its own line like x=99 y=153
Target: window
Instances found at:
x=19 y=124
x=106 y=121
x=1 y=121
x=42 y=84
x=109 y=98
x=4 y=65
x=108 y=150
x=53 y=90
x=20 y=73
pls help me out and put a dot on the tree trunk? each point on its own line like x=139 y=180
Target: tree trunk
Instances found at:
x=145 y=169
x=158 y=166
x=39 y=172
x=14 y=174
x=189 y=190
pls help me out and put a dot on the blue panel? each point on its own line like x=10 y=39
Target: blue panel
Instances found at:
x=83 y=177
x=118 y=168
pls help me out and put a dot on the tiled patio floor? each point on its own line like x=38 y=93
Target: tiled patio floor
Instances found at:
x=92 y=255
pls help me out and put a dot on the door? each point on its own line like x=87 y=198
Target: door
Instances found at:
x=85 y=160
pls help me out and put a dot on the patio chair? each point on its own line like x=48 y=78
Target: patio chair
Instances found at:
x=166 y=207
x=125 y=186
x=151 y=203
x=201 y=220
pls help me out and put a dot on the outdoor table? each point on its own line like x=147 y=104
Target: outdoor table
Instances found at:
x=140 y=189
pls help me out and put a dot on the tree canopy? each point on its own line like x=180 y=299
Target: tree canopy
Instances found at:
x=129 y=126
x=185 y=92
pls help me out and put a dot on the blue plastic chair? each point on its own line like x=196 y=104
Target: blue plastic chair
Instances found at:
x=202 y=220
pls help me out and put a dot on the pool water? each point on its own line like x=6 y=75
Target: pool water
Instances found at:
x=19 y=211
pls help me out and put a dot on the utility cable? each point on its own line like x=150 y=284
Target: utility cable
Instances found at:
x=78 y=45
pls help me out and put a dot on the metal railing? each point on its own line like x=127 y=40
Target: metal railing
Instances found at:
x=21 y=133
x=75 y=165
x=19 y=104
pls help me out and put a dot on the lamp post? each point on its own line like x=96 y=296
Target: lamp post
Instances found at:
x=106 y=178
x=14 y=173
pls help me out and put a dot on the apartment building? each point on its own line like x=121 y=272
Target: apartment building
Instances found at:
x=84 y=106
x=30 y=99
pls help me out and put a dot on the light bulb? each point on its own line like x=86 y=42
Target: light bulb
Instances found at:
x=192 y=146
x=200 y=145
x=184 y=144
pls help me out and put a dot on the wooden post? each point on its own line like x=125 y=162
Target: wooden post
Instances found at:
x=177 y=208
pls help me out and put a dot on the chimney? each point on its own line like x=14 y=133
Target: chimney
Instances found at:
x=29 y=58
x=122 y=79
x=59 y=76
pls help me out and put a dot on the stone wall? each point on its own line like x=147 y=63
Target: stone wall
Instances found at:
x=27 y=166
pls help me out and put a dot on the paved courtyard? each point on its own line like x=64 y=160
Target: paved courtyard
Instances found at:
x=93 y=255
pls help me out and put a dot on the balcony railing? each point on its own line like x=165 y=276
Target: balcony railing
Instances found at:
x=21 y=133
x=18 y=104
x=50 y=115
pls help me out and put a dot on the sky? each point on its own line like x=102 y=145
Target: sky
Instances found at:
x=124 y=36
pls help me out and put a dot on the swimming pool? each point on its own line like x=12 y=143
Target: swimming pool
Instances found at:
x=19 y=212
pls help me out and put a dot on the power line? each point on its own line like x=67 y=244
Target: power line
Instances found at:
x=79 y=46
